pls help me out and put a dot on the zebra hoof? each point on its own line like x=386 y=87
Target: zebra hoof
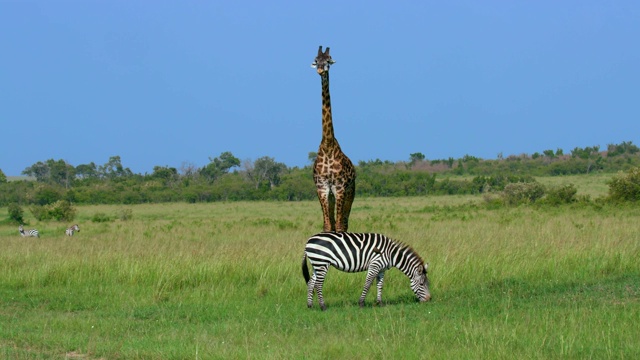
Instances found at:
x=323 y=307
x=361 y=303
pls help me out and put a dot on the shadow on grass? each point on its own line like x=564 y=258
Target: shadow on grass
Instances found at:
x=368 y=304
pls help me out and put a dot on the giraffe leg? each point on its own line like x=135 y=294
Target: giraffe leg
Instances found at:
x=340 y=225
x=343 y=207
x=327 y=203
x=332 y=211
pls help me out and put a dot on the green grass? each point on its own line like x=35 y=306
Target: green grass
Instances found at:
x=223 y=280
x=592 y=185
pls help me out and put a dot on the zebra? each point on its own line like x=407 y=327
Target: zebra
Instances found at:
x=355 y=252
x=28 y=233
x=72 y=229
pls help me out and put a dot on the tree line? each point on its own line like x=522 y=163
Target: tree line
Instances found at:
x=226 y=178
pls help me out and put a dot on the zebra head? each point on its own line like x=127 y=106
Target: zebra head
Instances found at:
x=420 y=282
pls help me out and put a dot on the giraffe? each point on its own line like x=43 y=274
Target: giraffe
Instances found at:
x=333 y=172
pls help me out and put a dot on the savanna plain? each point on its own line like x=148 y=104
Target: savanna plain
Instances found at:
x=223 y=281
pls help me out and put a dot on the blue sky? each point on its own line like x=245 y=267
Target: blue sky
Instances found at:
x=168 y=83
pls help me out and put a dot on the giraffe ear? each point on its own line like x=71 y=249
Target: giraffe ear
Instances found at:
x=314 y=65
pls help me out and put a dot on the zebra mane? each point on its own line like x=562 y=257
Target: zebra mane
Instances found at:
x=410 y=250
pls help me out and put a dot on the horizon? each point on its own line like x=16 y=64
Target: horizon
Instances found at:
x=602 y=150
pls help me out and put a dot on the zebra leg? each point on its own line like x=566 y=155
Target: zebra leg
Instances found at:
x=380 y=279
x=320 y=274
x=310 y=287
x=371 y=274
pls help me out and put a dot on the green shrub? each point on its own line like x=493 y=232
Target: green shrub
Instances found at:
x=584 y=199
x=16 y=214
x=62 y=210
x=492 y=202
x=40 y=212
x=101 y=217
x=46 y=195
x=498 y=182
x=625 y=186
x=564 y=194
x=124 y=214
x=522 y=193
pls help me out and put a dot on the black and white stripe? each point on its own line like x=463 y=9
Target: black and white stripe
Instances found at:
x=355 y=252
x=28 y=233
x=72 y=229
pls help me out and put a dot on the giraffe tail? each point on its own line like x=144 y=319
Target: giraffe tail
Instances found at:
x=305 y=269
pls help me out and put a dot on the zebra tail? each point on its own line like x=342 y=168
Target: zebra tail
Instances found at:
x=305 y=269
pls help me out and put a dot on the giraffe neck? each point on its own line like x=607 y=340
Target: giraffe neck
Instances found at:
x=327 y=121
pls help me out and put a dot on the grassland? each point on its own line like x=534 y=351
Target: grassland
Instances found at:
x=592 y=185
x=223 y=281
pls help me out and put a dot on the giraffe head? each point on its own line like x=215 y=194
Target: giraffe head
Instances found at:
x=323 y=61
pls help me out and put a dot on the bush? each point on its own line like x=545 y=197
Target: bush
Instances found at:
x=124 y=214
x=46 y=195
x=16 y=214
x=564 y=194
x=498 y=182
x=625 y=186
x=522 y=193
x=492 y=202
x=40 y=212
x=100 y=217
x=61 y=210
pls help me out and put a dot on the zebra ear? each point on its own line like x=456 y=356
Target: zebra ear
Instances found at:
x=426 y=266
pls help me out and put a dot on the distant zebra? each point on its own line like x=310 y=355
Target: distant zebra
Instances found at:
x=355 y=252
x=28 y=233
x=72 y=229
